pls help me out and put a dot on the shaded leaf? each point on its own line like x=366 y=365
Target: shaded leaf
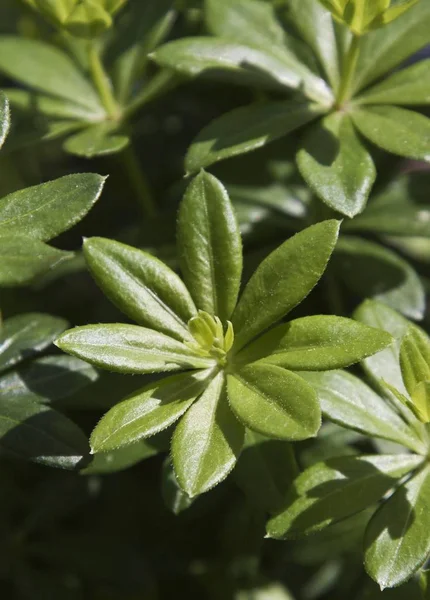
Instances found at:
x=175 y=499
x=98 y=140
x=4 y=118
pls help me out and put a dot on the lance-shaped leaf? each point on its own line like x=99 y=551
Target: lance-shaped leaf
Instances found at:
x=396 y=542
x=45 y=68
x=253 y=23
x=25 y=335
x=23 y=259
x=407 y=86
x=149 y=411
x=129 y=349
x=372 y=270
x=98 y=140
x=349 y=402
x=35 y=432
x=316 y=343
x=384 y=49
x=336 y=489
x=265 y=470
x=127 y=456
x=142 y=286
x=225 y=60
x=48 y=379
x=395 y=130
x=403 y=220
x=336 y=164
x=283 y=280
x=210 y=246
x=207 y=441
x=44 y=211
x=274 y=402
x=4 y=118
x=245 y=129
x=415 y=358
x=316 y=28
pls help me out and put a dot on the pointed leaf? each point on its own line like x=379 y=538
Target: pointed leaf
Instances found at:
x=98 y=140
x=407 y=86
x=35 y=432
x=210 y=246
x=336 y=489
x=148 y=412
x=45 y=68
x=349 y=402
x=37 y=103
x=316 y=343
x=396 y=542
x=265 y=471
x=142 y=287
x=175 y=499
x=336 y=165
x=4 y=118
x=384 y=49
x=245 y=129
x=274 y=402
x=25 y=335
x=207 y=441
x=316 y=28
x=415 y=358
x=283 y=280
x=24 y=258
x=48 y=379
x=44 y=211
x=129 y=349
x=372 y=270
x=395 y=130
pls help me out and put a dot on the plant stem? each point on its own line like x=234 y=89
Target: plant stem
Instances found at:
x=102 y=82
x=349 y=69
x=138 y=181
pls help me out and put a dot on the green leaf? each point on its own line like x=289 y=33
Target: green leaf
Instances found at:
x=415 y=367
x=47 y=69
x=225 y=60
x=114 y=461
x=25 y=335
x=24 y=258
x=407 y=86
x=274 y=402
x=48 y=379
x=316 y=28
x=372 y=270
x=349 y=402
x=207 y=441
x=175 y=499
x=129 y=349
x=253 y=23
x=391 y=219
x=148 y=411
x=142 y=286
x=44 y=211
x=396 y=542
x=245 y=129
x=336 y=489
x=98 y=140
x=283 y=280
x=382 y=50
x=265 y=471
x=210 y=246
x=395 y=130
x=336 y=165
x=4 y=118
x=35 y=432
x=316 y=343
x=33 y=102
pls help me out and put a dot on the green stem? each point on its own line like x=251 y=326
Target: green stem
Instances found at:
x=102 y=82
x=138 y=181
x=349 y=69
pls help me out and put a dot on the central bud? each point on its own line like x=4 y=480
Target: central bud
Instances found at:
x=210 y=338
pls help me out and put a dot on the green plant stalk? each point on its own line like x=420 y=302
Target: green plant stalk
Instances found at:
x=138 y=181
x=349 y=69
x=102 y=82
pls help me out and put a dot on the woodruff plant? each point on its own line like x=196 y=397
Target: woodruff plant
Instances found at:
x=238 y=374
